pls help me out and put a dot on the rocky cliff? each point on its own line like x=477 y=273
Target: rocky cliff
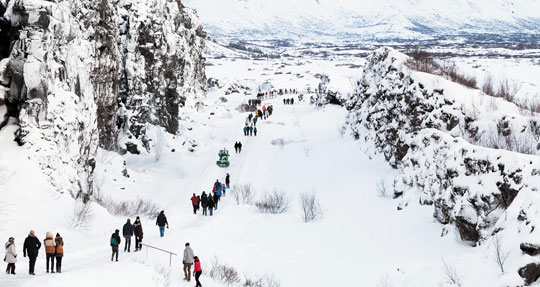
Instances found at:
x=448 y=142
x=80 y=74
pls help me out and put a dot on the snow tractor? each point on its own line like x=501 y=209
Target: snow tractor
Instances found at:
x=223 y=160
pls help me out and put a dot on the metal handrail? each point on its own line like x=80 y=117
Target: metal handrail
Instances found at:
x=162 y=250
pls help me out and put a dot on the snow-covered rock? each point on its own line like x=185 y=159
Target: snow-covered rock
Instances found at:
x=87 y=73
x=433 y=131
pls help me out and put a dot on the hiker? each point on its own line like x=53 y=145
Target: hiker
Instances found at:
x=161 y=221
x=59 y=252
x=223 y=189
x=194 y=202
x=292 y=101
x=219 y=192
x=255 y=131
x=204 y=203
x=31 y=247
x=138 y=234
x=255 y=120
x=198 y=202
x=245 y=130
x=197 y=271
x=50 y=247
x=216 y=200
x=188 y=261
x=250 y=116
x=239 y=147
x=11 y=256
x=127 y=232
x=115 y=241
x=250 y=131
x=228 y=180
x=236 y=147
x=284 y=101
x=211 y=204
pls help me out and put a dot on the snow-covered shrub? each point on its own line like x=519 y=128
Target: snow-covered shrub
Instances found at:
x=263 y=281
x=242 y=194
x=383 y=188
x=499 y=253
x=244 y=108
x=222 y=272
x=311 y=208
x=273 y=202
x=138 y=207
x=450 y=272
x=385 y=281
x=82 y=215
x=307 y=150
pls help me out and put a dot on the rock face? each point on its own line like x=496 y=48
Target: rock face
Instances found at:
x=530 y=272
x=324 y=95
x=81 y=74
x=437 y=133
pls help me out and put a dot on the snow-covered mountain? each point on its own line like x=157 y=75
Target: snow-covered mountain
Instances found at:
x=365 y=19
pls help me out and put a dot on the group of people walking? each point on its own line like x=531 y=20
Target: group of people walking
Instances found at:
x=288 y=101
x=209 y=202
x=54 y=249
x=238 y=147
x=129 y=230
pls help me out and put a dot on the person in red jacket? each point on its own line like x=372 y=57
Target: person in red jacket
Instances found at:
x=197 y=271
x=195 y=202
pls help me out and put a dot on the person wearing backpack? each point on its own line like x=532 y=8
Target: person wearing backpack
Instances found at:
x=127 y=232
x=115 y=241
x=59 y=252
x=50 y=249
x=197 y=271
x=204 y=203
x=11 y=256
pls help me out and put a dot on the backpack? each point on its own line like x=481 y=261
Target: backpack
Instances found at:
x=113 y=241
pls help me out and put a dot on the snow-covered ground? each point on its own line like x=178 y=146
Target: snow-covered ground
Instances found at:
x=362 y=239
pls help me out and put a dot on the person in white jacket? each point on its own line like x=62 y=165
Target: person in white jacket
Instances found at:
x=11 y=256
x=188 y=261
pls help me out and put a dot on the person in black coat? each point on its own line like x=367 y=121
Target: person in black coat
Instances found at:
x=127 y=232
x=239 y=147
x=161 y=221
x=228 y=180
x=138 y=231
x=31 y=247
x=204 y=203
x=211 y=204
x=115 y=242
x=215 y=199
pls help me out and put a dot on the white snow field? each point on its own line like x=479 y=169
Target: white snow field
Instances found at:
x=361 y=240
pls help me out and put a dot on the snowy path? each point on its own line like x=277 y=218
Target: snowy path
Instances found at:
x=361 y=238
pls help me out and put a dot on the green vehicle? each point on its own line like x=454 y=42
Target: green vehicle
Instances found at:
x=223 y=160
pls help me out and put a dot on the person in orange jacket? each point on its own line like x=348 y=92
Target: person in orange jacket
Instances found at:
x=59 y=241
x=50 y=250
